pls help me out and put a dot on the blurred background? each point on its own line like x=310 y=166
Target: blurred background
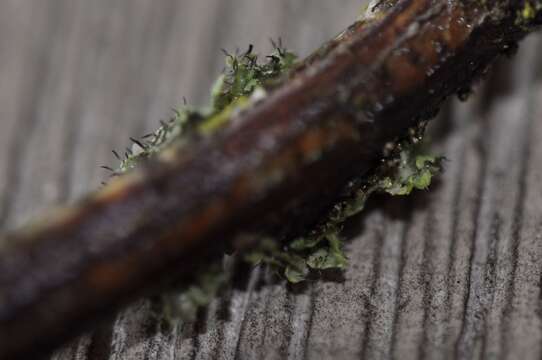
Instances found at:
x=80 y=77
x=452 y=272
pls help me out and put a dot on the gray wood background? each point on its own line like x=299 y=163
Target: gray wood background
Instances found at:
x=452 y=272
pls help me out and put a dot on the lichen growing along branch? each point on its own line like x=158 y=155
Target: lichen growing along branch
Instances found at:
x=244 y=76
x=404 y=169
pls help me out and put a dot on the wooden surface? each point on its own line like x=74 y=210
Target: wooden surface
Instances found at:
x=453 y=272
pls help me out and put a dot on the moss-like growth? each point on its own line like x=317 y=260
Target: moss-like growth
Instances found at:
x=243 y=75
x=185 y=303
x=244 y=81
x=529 y=13
x=406 y=169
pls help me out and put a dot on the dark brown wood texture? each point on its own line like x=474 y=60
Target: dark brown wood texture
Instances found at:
x=451 y=272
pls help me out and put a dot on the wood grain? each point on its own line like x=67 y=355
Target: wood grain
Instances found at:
x=454 y=272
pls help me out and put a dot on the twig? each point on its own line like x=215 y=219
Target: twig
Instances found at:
x=291 y=153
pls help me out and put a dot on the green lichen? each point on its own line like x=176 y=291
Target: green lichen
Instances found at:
x=243 y=75
x=184 y=303
x=405 y=170
x=244 y=80
x=528 y=13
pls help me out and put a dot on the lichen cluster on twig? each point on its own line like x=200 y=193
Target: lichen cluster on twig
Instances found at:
x=245 y=76
x=404 y=169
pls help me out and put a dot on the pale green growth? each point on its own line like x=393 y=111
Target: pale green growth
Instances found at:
x=172 y=130
x=215 y=122
x=322 y=249
x=245 y=79
x=529 y=12
x=243 y=75
x=185 y=303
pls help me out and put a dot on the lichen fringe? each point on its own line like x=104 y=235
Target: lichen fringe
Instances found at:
x=243 y=82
